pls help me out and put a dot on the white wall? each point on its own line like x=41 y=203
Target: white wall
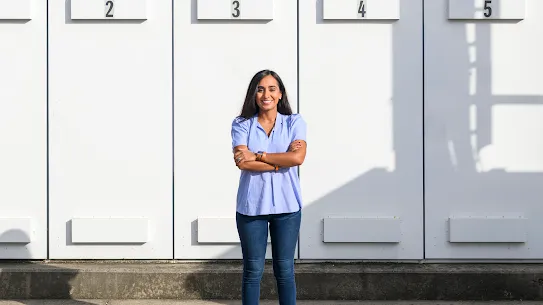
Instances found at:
x=132 y=121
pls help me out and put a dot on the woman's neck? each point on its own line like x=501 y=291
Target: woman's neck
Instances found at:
x=267 y=116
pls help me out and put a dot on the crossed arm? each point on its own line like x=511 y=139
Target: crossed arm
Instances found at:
x=246 y=160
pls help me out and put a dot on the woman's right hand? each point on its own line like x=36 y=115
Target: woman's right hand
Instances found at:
x=243 y=154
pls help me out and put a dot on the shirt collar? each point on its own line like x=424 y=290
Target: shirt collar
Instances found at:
x=279 y=119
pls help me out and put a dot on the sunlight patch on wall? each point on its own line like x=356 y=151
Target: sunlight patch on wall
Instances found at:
x=517 y=142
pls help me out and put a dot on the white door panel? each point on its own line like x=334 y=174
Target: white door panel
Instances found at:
x=361 y=94
x=483 y=130
x=215 y=58
x=110 y=132
x=23 y=130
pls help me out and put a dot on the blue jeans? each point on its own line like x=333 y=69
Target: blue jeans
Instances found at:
x=253 y=234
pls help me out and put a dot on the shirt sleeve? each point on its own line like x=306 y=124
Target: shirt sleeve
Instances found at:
x=240 y=132
x=298 y=127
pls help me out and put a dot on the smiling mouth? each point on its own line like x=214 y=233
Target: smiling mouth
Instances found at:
x=266 y=102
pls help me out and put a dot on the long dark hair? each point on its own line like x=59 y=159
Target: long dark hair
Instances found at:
x=250 y=107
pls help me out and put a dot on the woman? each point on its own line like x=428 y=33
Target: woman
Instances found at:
x=269 y=142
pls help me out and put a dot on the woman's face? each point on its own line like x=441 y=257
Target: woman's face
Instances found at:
x=268 y=93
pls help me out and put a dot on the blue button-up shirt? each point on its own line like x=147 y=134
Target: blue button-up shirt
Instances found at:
x=264 y=193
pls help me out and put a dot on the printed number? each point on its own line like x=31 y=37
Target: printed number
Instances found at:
x=109 y=5
x=235 y=7
x=488 y=9
x=362 y=8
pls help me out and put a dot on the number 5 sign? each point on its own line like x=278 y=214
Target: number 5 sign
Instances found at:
x=487 y=9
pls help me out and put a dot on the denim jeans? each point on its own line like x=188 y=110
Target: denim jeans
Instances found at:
x=253 y=233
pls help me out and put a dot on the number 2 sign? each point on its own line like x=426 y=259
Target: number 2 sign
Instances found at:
x=109 y=8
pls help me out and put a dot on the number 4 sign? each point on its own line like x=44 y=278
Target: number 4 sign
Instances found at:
x=362 y=6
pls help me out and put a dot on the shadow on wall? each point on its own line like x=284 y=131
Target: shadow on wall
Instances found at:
x=21 y=281
x=453 y=149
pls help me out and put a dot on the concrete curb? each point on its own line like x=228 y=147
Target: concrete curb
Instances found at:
x=315 y=281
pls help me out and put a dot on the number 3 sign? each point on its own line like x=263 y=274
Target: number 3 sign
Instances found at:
x=236 y=12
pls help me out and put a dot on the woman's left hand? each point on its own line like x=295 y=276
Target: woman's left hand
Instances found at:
x=244 y=155
x=294 y=146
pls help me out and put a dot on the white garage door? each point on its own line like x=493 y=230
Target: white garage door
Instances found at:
x=23 y=130
x=218 y=48
x=110 y=129
x=361 y=94
x=483 y=129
